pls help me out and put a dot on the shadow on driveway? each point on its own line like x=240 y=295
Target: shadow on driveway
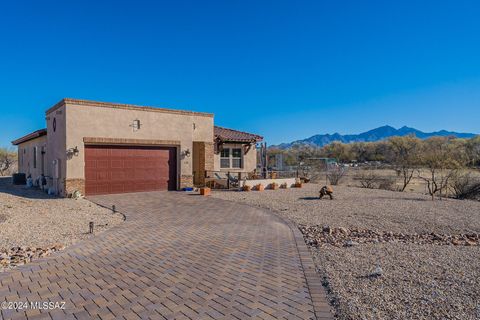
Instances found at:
x=7 y=187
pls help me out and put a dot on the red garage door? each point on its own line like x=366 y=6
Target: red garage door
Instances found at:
x=121 y=169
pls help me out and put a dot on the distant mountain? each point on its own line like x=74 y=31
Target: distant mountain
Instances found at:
x=373 y=135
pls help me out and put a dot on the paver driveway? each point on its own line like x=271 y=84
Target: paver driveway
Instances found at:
x=177 y=256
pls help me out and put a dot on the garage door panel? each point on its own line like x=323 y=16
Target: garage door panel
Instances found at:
x=102 y=175
x=119 y=169
x=128 y=164
x=116 y=164
x=103 y=164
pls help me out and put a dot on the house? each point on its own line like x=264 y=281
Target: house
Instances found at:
x=102 y=148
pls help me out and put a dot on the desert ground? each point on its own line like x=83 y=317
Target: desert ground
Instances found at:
x=32 y=223
x=386 y=254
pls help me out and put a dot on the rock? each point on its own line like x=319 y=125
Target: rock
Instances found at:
x=350 y=243
x=327 y=229
x=343 y=230
x=470 y=243
x=377 y=272
x=456 y=242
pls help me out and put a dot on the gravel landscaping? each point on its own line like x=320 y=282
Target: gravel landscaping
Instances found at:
x=384 y=254
x=33 y=224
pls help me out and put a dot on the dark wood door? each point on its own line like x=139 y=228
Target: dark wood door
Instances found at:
x=122 y=169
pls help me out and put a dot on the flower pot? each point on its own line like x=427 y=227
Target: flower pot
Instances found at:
x=274 y=186
x=259 y=187
x=205 y=191
x=246 y=188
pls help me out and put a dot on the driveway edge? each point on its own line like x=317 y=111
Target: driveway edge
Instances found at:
x=318 y=294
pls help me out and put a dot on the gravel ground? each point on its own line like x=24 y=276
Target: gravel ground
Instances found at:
x=34 y=219
x=378 y=210
x=418 y=281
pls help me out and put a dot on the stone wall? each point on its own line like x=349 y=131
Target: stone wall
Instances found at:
x=72 y=185
x=186 y=181
x=203 y=161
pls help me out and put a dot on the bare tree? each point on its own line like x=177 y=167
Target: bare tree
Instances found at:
x=8 y=160
x=335 y=174
x=466 y=186
x=404 y=156
x=368 y=178
x=442 y=161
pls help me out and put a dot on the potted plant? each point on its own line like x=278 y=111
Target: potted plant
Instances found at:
x=259 y=187
x=246 y=187
x=205 y=191
x=274 y=186
x=298 y=183
x=283 y=185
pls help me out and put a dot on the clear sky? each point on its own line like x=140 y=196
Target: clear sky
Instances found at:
x=283 y=69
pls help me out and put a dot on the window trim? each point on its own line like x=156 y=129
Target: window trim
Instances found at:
x=35 y=157
x=231 y=158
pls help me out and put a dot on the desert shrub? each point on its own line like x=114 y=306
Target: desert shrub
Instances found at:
x=466 y=186
x=335 y=174
x=368 y=178
x=8 y=162
x=387 y=183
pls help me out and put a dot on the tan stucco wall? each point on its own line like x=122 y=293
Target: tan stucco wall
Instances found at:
x=249 y=159
x=25 y=157
x=56 y=148
x=107 y=122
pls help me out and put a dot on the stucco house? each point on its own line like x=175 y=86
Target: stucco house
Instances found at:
x=101 y=148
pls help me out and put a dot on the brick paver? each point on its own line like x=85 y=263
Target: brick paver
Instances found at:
x=177 y=256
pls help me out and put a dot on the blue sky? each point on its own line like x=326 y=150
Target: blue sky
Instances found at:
x=283 y=69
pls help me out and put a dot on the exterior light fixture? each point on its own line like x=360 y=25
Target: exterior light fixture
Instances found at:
x=73 y=151
x=186 y=153
x=135 y=125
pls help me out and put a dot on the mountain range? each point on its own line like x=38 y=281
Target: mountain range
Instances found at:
x=373 y=135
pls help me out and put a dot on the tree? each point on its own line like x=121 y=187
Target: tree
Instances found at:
x=473 y=151
x=8 y=160
x=403 y=154
x=335 y=174
x=442 y=160
x=340 y=151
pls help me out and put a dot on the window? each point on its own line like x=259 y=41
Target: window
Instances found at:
x=34 y=157
x=225 y=158
x=231 y=158
x=236 y=158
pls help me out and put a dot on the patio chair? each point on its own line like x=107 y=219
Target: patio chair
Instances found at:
x=233 y=181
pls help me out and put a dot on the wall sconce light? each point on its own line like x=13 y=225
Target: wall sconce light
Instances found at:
x=73 y=151
x=186 y=153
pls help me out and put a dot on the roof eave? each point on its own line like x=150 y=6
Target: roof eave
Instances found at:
x=30 y=136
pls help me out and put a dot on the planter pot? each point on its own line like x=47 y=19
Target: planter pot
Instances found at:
x=283 y=186
x=298 y=185
x=274 y=186
x=246 y=188
x=205 y=191
x=259 y=187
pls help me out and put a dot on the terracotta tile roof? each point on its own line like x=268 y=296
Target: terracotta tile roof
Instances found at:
x=230 y=135
x=30 y=136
